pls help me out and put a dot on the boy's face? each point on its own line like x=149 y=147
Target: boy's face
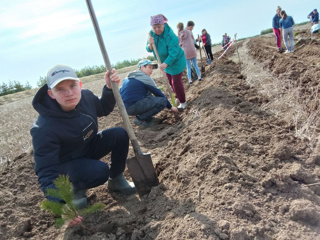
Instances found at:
x=147 y=69
x=67 y=93
x=190 y=28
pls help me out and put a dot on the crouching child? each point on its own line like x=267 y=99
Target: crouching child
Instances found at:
x=141 y=96
x=66 y=140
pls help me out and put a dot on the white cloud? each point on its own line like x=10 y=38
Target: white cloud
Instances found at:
x=36 y=21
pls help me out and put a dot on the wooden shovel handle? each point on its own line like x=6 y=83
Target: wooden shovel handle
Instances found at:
x=200 y=51
x=115 y=87
x=159 y=63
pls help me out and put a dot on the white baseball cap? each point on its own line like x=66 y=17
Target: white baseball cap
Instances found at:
x=60 y=73
x=144 y=62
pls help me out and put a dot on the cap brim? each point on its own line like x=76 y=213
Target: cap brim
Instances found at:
x=62 y=79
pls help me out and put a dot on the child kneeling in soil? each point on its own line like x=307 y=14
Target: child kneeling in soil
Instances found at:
x=66 y=140
x=136 y=93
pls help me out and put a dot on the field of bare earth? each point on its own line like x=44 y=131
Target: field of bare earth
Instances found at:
x=241 y=163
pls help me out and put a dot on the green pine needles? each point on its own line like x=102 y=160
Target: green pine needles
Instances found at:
x=67 y=211
x=173 y=99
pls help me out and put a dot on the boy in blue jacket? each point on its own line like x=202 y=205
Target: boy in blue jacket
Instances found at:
x=314 y=17
x=66 y=140
x=136 y=93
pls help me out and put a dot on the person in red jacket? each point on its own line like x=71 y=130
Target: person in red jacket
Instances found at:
x=207 y=44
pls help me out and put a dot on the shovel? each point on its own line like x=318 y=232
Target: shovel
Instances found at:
x=140 y=167
x=205 y=51
x=203 y=69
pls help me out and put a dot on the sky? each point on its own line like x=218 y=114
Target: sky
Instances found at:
x=36 y=35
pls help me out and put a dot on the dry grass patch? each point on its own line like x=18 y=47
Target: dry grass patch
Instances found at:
x=286 y=100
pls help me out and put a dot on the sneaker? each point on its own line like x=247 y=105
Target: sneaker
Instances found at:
x=120 y=184
x=279 y=50
x=292 y=51
x=137 y=122
x=182 y=105
x=287 y=51
x=143 y=123
x=148 y=123
x=200 y=79
x=80 y=199
x=190 y=82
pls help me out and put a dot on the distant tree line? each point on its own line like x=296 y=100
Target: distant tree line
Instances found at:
x=88 y=71
x=270 y=30
x=13 y=87
x=16 y=86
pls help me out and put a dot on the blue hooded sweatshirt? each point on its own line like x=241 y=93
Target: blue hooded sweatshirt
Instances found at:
x=314 y=17
x=286 y=23
x=275 y=21
x=136 y=87
x=59 y=136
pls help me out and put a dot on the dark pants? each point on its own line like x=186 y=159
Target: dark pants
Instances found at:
x=278 y=36
x=209 y=52
x=88 y=172
x=176 y=84
x=145 y=108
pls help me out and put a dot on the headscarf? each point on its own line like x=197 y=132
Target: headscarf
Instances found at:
x=158 y=19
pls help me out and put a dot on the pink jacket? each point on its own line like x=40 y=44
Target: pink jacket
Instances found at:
x=186 y=41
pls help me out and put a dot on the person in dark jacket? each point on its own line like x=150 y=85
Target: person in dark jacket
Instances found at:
x=141 y=96
x=206 y=40
x=225 y=41
x=314 y=17
x=66 y=140
x=276 y=28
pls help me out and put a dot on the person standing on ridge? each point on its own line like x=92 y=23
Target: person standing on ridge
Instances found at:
x=225 y=41
x=277 y=29
x=286 y=24
x=314 y=17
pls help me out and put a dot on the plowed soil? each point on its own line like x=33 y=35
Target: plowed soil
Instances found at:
x=229 y=167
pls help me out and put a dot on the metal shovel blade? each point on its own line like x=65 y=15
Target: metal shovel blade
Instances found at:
x=142 y=172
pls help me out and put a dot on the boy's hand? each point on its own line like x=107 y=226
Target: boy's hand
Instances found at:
x=114 y=78
x=75 y=221
x=174 y=109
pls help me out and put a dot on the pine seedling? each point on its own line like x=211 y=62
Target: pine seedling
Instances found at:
x=67 y=211
x=173 y=100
